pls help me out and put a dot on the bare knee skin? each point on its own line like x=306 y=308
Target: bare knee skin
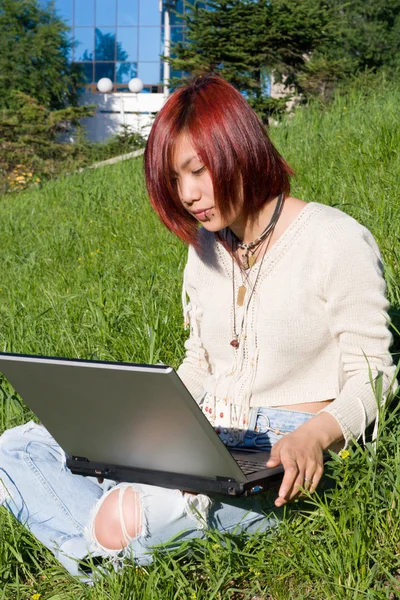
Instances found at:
x=118 y=519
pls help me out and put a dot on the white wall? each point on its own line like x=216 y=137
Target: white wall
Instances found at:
x=115 y=109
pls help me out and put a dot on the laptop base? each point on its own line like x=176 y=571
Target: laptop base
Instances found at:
x=204 y=485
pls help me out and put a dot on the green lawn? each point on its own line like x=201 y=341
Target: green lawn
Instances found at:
x=88 y=271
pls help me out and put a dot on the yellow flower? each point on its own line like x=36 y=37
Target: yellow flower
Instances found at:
x=36 y=596
x=344 y=107
x=344 y=454
x=194 y=596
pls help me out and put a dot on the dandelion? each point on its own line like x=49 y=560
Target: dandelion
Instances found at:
x=36 y=596
x=194 y=596
x=344 y=454
x=344 y=107
x=80 y=259
x=92 y=253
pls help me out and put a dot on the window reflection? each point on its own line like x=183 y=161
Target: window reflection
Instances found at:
x=150 y=43
x=106 y=12
x=128 y=12
x=105 y=43
x=109 y=41
x=84 y=13
x=64 y=10
x=126 y=71
x=149 y=12
x=177 y=34
x=70 y=39
x=104 y=70
x=127 y=43
x=87 y=72
x=84 y=43
x=149 y=72
x=175 y=13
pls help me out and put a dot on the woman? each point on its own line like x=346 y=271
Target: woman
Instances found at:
x=287 y=314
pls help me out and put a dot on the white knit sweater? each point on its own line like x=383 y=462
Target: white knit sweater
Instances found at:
x=314 y=325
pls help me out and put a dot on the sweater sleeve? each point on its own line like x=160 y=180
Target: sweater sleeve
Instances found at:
x=356 y=306
x=195 y=366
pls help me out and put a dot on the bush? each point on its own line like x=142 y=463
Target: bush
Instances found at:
x=30 y=145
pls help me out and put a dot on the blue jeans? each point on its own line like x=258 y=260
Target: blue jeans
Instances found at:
x=59 y=507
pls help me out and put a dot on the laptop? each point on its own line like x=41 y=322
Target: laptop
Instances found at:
x=135 y=423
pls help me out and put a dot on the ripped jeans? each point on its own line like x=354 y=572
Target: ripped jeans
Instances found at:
x=59 y=507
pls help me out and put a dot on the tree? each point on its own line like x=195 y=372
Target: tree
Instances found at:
x=368 y=33
x=309 y=44
x=247 y=40
x=34 y=50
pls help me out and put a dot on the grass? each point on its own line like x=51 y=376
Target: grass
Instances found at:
x=88 y=271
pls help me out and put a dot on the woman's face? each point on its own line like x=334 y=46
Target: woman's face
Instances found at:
x=195 y=188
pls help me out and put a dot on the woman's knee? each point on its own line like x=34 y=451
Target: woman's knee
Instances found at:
x=118 y=519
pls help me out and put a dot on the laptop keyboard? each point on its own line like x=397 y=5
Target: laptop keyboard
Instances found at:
x=250 y=466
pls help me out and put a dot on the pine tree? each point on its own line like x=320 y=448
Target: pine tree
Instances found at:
x=247 y=40
x=34 y=51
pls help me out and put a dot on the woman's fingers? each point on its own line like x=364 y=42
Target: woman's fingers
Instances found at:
x=300 y=473
x=290 y=483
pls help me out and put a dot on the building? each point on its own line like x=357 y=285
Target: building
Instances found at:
x=121 y=40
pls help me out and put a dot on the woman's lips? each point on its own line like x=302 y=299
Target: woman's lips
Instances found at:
x=203 y=215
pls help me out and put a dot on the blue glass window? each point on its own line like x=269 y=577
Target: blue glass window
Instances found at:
x=177 y=34
x=87 y=72
x=128 y=12
x=149 y=44
x=106 y=12
x=84 y=43
x=149 y=72
x=149 y=12
x=175 y=14
x=127 y=43
x=84 y=13
x=105 y=43
x=104 y=70
x=126 y=71
x=71 y=45
x=64 y=10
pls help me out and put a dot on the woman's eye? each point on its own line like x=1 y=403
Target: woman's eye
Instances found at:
x=199 y=171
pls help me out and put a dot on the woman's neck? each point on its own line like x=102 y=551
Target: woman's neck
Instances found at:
x=249 y=230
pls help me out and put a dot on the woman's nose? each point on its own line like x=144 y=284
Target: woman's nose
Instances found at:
x=189 y=191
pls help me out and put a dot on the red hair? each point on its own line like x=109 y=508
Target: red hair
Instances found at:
x=231 y=142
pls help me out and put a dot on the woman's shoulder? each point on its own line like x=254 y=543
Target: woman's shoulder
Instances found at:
x=332 y=223
x=204 y=252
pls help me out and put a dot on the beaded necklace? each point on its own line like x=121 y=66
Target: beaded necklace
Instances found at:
x=257 y=244
x=249 y=261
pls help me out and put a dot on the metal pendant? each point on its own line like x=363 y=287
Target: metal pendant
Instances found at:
x=252 y=261
x=241 y=295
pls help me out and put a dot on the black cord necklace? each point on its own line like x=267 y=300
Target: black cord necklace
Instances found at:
x=248 y=261
x=266 y=234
